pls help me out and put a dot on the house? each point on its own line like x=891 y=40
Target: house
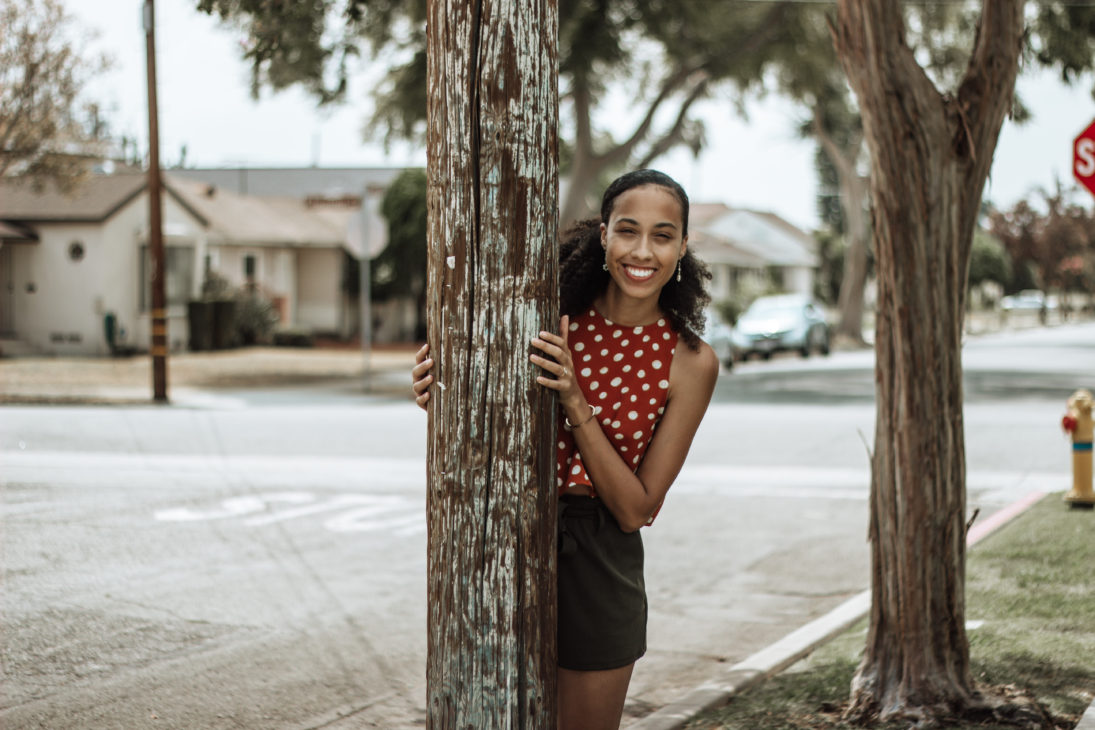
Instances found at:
x=751 y=251
x=69 y=264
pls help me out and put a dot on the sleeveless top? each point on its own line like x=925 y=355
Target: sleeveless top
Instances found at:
x=624 y=374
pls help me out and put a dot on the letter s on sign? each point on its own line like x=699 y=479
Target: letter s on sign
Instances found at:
x=1085 y=157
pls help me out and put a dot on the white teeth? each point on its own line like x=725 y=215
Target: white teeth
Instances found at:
x=639 y=273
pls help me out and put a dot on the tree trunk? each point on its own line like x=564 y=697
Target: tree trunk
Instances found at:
x=493 y=285
x=930 y=156
x=853 y=203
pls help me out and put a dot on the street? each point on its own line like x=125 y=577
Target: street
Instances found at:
x=257 y=558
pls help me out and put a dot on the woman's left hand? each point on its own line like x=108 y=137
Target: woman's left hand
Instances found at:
x=560 y=366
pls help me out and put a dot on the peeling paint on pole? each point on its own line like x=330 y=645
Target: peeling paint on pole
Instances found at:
x=493 y=284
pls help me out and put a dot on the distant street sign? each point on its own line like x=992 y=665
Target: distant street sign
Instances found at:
x=1083 y=158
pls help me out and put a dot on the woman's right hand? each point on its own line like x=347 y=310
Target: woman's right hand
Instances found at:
x=421 y=376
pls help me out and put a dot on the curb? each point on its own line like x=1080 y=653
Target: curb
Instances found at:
x=1087 y=722
x=801 y=642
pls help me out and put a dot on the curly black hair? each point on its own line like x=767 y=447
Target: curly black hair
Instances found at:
x=582 y=278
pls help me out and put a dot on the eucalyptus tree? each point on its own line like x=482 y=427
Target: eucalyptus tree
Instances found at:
x=931 y=143
x=663 y=56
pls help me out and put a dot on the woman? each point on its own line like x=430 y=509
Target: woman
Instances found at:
x=633 y=381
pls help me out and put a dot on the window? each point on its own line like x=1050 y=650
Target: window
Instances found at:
x=178 y=276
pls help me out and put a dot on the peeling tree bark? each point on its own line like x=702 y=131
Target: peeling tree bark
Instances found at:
x=930 y=156
x=492 y=200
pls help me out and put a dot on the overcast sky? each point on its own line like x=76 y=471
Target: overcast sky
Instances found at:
x=205 y=104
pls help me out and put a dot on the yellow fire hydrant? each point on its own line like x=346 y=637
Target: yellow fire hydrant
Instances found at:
x=1078 y=423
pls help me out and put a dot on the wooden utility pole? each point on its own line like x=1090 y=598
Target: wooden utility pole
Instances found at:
x=493 y=200
x=158 y=345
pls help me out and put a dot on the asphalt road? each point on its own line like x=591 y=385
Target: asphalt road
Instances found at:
x=256 y=559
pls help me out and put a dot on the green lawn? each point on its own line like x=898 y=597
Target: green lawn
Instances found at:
x=1030 y=597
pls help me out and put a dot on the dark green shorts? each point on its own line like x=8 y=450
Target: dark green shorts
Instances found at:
x=602 y=594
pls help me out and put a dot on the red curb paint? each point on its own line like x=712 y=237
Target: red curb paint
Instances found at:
x=982 y=529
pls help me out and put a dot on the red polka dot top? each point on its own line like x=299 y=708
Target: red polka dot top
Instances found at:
x=624 y=374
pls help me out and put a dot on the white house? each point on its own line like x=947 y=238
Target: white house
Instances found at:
x=745 y=248
x=67 y=262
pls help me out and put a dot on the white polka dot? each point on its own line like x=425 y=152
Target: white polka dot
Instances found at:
x=594 y=385
x=663 y=384
x=603 y=395
x=586 y=358
x=559 y=482
x=608 y=321
x=602 y=371
x=606 y=422
x=586 y=372
x=634 y=398
x=638 y=330
x=661 y=323
x=657 y=364
x=661 y=410
x=573 y=326
x=623 y=448
x=617 y=333
x=665 y=336
x=633 y=415
x=576 y=470
x=636 y=459
x=598 y=338
x=590 y=328
x=646 y=386
x=641 y=373
x=650 y=416
x=638 y=353
x=604 y=352
x=617 y=357
x=615 y=424
x=624 y=389
x=646 y=338
x=619 y=437
x=624 y=343
x=614 y=382
x=562 y=444
x=627 y=368
x=654 y=346
x=653 y=401
x=637 y=435
x=579 y=346
x=615 y=406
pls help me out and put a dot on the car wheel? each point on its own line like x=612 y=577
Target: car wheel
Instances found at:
x=728 y=363
x=825 y=344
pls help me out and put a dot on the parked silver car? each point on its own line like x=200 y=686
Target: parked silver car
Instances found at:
x=782 y=322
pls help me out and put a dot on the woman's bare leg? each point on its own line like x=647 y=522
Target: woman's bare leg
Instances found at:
x=592 y=700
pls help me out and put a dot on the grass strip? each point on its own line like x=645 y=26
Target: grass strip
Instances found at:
x=1030 y=611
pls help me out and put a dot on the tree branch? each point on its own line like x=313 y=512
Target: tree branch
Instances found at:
x=672 y=135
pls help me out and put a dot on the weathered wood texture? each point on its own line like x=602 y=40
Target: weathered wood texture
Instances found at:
x=930 y=156
x=493 y=285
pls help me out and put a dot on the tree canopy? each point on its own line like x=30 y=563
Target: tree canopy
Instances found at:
x=46 y=127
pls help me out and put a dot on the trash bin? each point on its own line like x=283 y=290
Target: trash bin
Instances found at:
x=199 y=315
x=224 y=324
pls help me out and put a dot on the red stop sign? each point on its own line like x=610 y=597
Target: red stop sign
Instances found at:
x=1083 y=158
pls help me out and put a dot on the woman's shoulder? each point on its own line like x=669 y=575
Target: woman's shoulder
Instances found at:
x=698 y=363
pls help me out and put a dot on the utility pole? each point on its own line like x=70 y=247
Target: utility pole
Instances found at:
x=158 y=347
x=492 y=106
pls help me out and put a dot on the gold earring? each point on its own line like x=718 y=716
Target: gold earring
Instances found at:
x=679 y=268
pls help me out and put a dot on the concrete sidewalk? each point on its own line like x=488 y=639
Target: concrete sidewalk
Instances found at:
x=128 y=380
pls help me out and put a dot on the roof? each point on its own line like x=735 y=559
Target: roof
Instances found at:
x=96 y=198
x=10 y=233
x=296 y=182
x=251 y=220
x=752 y=239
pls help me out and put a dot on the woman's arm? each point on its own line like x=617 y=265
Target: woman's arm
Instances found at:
x=632 y=497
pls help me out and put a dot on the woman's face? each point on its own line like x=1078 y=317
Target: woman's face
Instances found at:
x=643 y=240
